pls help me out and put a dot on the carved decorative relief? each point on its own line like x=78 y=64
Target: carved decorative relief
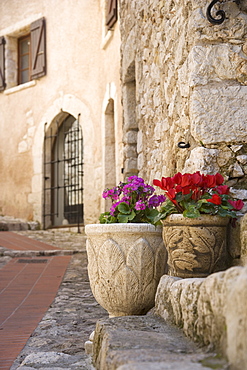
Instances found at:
x=125 y=266
x=196 y=247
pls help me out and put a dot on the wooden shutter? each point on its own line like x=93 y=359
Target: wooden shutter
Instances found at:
x=2 y=63
x=38 y=49
x=111 y=15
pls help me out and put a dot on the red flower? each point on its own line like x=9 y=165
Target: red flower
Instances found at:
x=197 y=179
x=196 y=194
x=178 y=189
x=171 y=193
x=186 y=179
x=222 y=189
x=166 y=183
x=177 y=179
x=216 y=199
x=219 y=179
x=186 y=190
x=237 y=204
x=210 y=181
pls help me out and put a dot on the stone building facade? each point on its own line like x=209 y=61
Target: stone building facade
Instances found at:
x=182 y=80
x=71 y=83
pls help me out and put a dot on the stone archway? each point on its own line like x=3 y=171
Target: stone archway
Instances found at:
x=62 y=107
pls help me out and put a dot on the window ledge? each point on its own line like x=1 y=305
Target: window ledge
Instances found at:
x=107 y=39
x=20 y=87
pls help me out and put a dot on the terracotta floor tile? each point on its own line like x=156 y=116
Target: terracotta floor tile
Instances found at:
x=26 y=292
x=17 y=242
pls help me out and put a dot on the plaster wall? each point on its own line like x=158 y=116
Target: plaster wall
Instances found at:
x=82 y=62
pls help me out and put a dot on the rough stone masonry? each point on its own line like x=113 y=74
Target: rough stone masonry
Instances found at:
x=189 y=79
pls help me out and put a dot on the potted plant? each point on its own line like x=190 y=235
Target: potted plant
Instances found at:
x=195 y=217
x=126 y=253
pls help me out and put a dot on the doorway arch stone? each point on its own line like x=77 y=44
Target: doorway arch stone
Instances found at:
x=64 y=105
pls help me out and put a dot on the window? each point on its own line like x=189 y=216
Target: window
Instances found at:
x=24 y=59
x=111 y=14
x=26 y=54
x=2 y=69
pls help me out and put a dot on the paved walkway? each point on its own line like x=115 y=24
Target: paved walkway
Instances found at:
x=38 y=266
x=47 y=310
x=28 y=286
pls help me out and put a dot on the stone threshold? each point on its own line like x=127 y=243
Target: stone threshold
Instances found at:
x=17 y=225
x=58 y=252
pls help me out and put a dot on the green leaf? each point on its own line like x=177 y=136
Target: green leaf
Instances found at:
x=226 y=213
x=132 y=215
x=106 y=218
x=124 y=208
x=191 y=213
x=123 y=219
x=190 y=205
x=151 y=215
x=205 y=209
x=103 y=217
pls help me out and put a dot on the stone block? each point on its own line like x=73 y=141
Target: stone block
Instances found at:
x=130 y=137
x=229 y=102
x=88 y=345
x=243 y=236
x=210 y=310
x=131 y=165
x=207 y=63
x=236 y=322
x=236 y=170
x=130 y=151
x=143 y=342
x=202 y=159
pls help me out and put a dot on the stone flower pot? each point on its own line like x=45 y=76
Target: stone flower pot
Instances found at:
x=196 y=246
x=125 y=264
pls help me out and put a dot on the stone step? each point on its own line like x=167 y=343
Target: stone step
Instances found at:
x=12 y=224
x=147 y=343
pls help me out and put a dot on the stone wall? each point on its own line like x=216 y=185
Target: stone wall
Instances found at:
x=190 y=82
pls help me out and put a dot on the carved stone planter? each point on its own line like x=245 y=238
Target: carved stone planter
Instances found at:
x=125 y=264
x=196 y=246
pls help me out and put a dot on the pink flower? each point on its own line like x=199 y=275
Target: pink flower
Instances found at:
x=219 y=179
x=222 y=189
x=237 y=204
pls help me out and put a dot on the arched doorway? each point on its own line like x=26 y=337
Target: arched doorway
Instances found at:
x=63 y=174
x=109 y=150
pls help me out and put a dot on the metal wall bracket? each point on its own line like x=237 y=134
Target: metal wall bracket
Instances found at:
x=220 y=13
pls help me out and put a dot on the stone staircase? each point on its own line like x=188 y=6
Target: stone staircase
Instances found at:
x=196 y=324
